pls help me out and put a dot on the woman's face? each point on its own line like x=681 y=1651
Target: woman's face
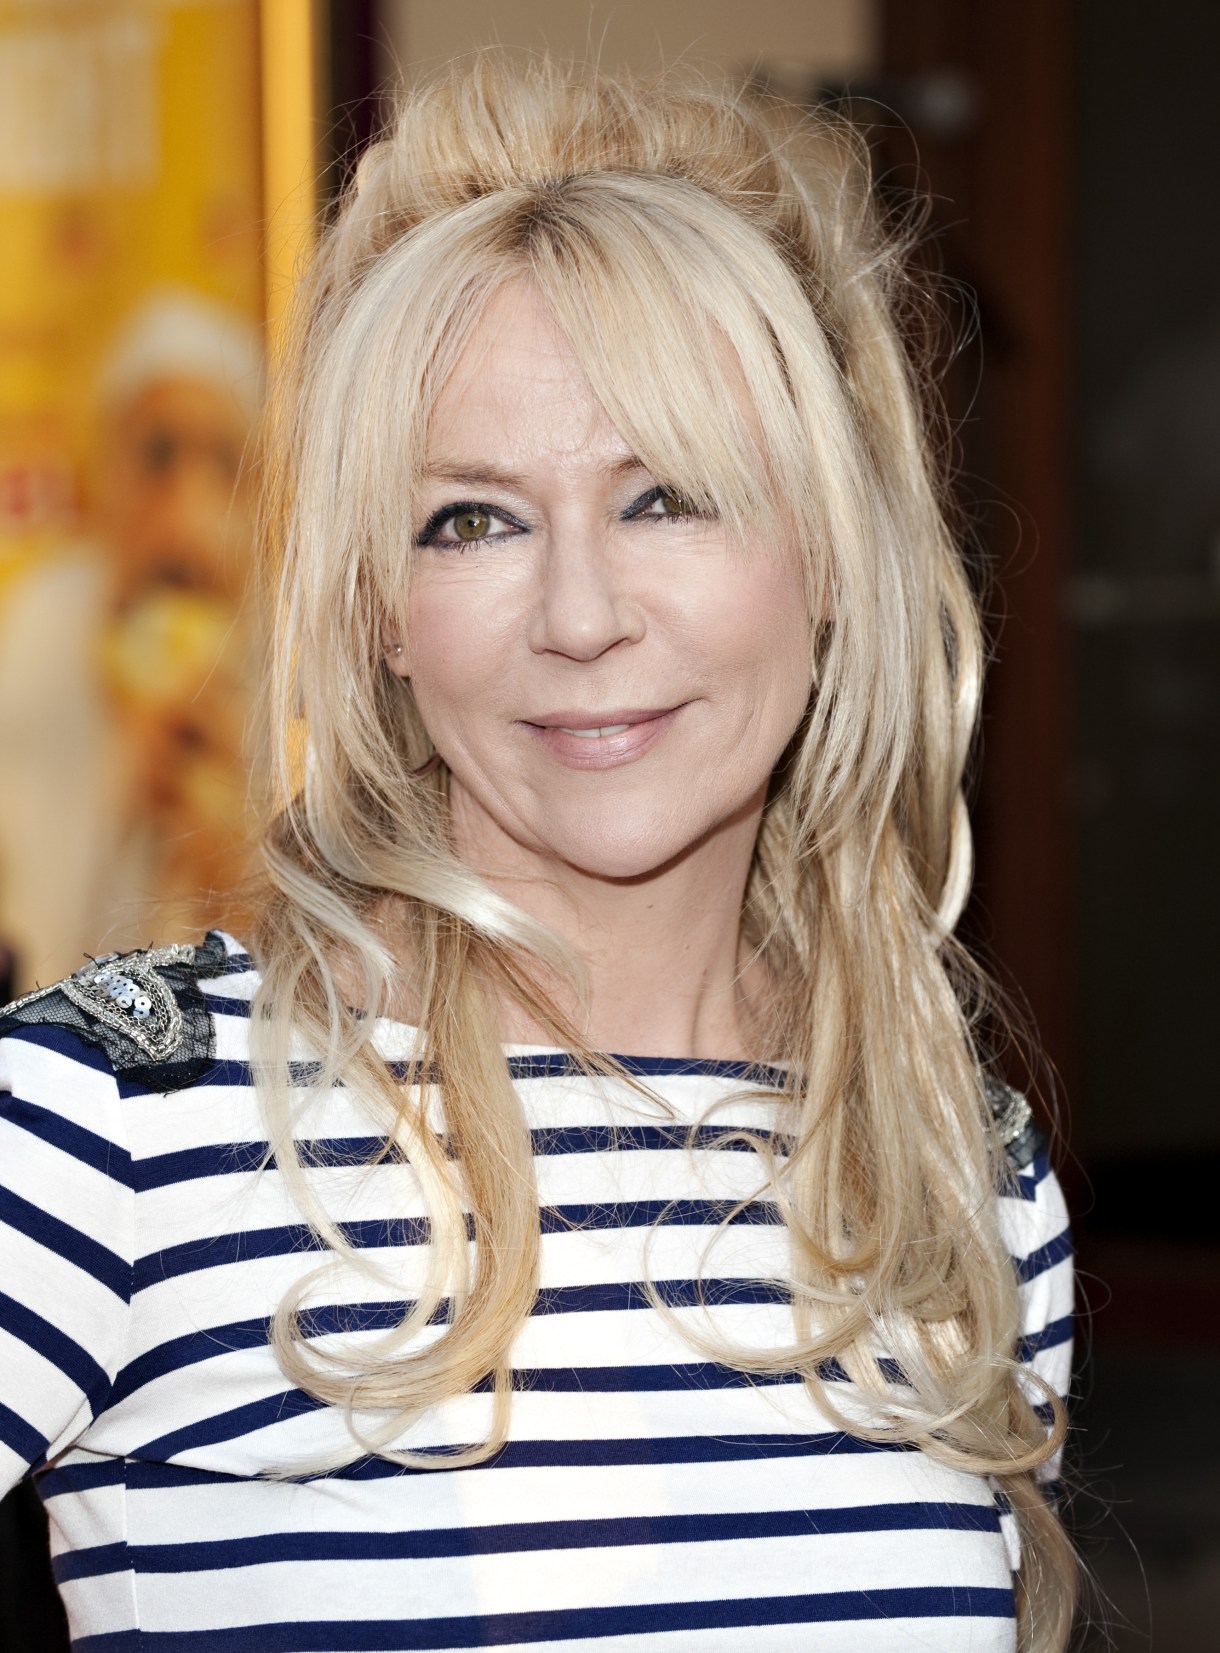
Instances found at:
x=608 y=679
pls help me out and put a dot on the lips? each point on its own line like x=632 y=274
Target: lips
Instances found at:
x=602 y=739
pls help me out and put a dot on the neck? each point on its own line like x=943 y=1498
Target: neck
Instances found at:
x=662 y=953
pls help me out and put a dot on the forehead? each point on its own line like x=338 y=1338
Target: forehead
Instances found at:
x=517 y=385
x=519 y=389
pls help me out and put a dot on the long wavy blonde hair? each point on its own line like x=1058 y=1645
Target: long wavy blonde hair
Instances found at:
x=659 y=220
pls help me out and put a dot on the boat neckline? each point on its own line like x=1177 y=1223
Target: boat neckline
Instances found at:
x=542 y=1061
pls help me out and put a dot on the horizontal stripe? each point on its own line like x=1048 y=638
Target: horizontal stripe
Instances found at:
x=220 y=1159
x=237 y=961
x=221 y=1005
x=174 y=1078
x=1050 y=1336
x=77 y=1364
x=223 y=1073
x=558 y=1065
x=64 y=1478
x=1045 y=1257
x=234 y=1074
x=573 y=1624
x=661 y=1378
x=329 y=1319
x=69 y=1138
x=91 y=1562
x=1026 y=1183
x=287 y=1404
x=519 y=1537
x=224 y=1159
x=230 y=1425
x=600 y=1297
x=220 y=1250
x=604 y=1139
x=597 y=1453
x=179 y=1352
x=64 y=1041
x=22 y=1437
x=66 y=1242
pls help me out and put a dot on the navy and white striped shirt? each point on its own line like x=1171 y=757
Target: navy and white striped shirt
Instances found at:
x=647 y=1498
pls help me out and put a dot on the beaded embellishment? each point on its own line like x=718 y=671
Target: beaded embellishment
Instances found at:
x=1020 y=1135
x=145 y=1009
x=126 y=994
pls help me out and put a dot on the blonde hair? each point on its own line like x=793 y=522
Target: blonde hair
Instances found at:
x=619 y=200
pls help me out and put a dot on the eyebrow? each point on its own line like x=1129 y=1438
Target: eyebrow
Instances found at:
x=492 y=476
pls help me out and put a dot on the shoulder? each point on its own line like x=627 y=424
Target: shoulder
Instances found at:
x=1012 y=1118
x=1033 y=1212
x=145 y=1016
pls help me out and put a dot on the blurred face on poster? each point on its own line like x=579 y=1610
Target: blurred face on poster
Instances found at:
x=173 y=513
x=132 y=303
x=171 y=506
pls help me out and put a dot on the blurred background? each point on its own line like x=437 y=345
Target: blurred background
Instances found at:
x=161 y=165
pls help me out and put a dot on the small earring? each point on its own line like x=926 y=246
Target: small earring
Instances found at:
x=394 y=649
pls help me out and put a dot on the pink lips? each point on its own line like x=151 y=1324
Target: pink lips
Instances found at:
x=632 y=731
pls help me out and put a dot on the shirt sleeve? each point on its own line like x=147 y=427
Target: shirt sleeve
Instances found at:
x=1035 y=1221
x=66 y=1242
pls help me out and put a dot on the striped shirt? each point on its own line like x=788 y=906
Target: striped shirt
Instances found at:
x=648 y=1497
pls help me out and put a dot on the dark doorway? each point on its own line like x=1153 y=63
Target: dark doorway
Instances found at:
x=1073 y=191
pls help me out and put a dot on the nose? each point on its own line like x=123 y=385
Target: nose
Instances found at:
x=584 y=604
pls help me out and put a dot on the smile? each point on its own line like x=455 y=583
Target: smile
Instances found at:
x=617 y=737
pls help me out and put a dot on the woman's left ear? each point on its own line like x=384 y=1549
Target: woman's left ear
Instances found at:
x=395 y=656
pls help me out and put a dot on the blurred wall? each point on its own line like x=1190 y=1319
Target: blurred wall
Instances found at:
x=1144 y=601
x=834 y=39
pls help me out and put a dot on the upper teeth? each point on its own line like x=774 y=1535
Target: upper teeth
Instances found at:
x=592 y=734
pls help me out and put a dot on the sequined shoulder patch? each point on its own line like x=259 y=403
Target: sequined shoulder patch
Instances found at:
x=144 y=1009
x=1021 y=1137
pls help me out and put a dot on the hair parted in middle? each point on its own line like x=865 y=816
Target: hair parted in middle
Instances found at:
x=679 y=243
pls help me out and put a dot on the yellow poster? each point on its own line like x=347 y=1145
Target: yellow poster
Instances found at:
x=131 y=373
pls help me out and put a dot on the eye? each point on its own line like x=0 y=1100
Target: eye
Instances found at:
x=467 y=524
x=661 y=502
x=471 y=525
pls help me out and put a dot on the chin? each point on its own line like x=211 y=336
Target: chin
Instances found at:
x=623 y=850
x=622 y=867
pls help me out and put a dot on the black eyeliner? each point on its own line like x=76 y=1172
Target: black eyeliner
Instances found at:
x=649 y=497
x=438 y=519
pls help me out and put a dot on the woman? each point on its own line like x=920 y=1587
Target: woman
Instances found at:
x=625 y=671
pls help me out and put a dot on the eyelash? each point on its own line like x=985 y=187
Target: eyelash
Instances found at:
x=429 y=534
x=639 y=507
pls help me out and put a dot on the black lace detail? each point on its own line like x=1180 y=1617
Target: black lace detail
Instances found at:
x=1022 y=1138
x=144 y=1009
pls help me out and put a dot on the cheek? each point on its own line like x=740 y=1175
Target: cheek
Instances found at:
x=764 y=636
x=458 y=631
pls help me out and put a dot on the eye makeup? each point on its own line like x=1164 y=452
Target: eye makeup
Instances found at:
x=676 y=509
x=430 y=534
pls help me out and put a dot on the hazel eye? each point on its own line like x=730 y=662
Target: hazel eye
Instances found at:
x=468 y=523
x=471 y=525
x=661 y=502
